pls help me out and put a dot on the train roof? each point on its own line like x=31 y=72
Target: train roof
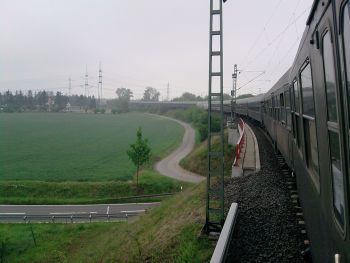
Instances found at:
x=256 y=98
x=283 y=81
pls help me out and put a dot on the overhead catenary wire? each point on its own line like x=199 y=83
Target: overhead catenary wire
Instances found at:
x=274 y=11
x=264 y=49
x=245 y=84
x=279 y=37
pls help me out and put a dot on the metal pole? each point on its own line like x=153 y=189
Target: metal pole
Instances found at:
x=234 y=77
x=215 y=177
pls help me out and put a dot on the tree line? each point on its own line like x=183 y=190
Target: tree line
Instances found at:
x=48 y=101
x=43 y=101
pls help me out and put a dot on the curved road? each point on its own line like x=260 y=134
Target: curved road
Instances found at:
x=170 y=165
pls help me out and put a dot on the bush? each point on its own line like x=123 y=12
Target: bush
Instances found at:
x=203 y=132
x=103 y=111
x=96 y=111
x=199 y=118
x=114 y=111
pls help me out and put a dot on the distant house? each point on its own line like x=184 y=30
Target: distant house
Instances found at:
x=50 y=102
x=68 y=107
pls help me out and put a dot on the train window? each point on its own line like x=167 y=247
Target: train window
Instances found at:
x=271 y=108
x=307 y=91
x=277 y=112
x=333 y=130
x=311 y=152
x=282 y=100
x=330 y=78
x=287 y=98
x=346 y=39
x=297 y=129
x=287 y=103
x=282 y=109
x=292 y=101
x=337 y=177
x=296 y=97
x=311 y=145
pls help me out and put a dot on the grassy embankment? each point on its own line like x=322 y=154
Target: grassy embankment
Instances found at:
x=167 y=234
x=80 y=158
x=197 y=161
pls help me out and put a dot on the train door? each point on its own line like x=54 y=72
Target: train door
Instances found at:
x=289 y=124
x=273 y=118
x=333 y=183
x=343 y=30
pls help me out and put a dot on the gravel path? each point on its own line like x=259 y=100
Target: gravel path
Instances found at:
x=267 y=228
x=170 y=165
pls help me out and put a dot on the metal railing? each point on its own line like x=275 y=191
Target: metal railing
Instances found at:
x=223 y=244
x=68 y=218
x=240 y=142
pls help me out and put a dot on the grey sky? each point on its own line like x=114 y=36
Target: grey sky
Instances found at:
x=143 y=43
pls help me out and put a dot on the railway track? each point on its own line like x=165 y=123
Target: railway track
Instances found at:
x=270 y=225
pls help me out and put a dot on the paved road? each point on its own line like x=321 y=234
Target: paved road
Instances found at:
x=45 y=212
x=170 y=165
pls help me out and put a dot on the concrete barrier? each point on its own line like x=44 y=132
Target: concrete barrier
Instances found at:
x=223 y=243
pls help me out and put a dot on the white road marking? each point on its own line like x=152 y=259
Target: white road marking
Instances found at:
x=152 y=203
x=12 y=213
x=71 y=213
x=134 y=211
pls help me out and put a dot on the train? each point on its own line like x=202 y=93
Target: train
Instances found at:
x=307 y=115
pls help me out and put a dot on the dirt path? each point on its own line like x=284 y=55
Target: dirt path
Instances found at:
x=170 y=165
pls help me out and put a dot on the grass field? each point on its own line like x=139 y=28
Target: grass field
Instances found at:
x=168 y=234
x=78 y=147
x=40 y=192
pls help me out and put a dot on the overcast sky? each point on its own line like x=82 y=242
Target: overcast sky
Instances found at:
x=144 y=43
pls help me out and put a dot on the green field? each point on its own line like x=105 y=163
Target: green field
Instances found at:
x=78 y=147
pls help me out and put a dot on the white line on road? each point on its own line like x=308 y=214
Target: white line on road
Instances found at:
x=134 y=211
x=107 y=210
x=71 y=213
x=124 y=204
x=12 y=213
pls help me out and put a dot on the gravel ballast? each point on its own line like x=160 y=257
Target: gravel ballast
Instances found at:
x=267 y=228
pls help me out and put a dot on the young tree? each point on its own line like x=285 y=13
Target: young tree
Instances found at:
x=139 y=153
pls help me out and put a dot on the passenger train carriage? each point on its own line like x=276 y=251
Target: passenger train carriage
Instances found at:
x=307 y=115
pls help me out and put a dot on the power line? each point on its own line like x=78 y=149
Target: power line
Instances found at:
x=99 y=88
x=69 y=86
x=86 y=82
x=279 y=35
x=168 y=91
x=245 y=84
x=262 y=31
